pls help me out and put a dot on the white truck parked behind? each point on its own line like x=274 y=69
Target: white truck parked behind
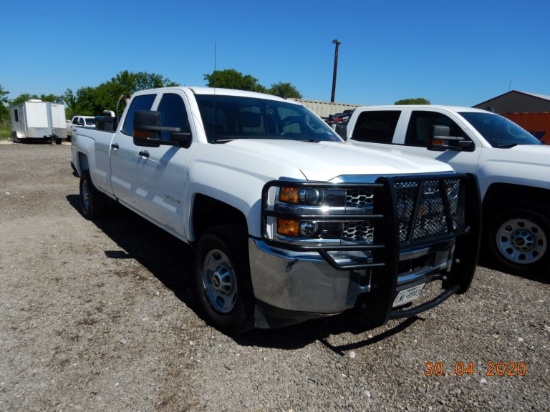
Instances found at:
x=512 y=166
x=79 y=121
x=286 y=220
x=35 y=119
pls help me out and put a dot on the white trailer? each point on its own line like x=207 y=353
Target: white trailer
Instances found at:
x=35 y=119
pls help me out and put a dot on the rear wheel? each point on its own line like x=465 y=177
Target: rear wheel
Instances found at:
x=222 y=275
x=93 y=203
x=518 y=240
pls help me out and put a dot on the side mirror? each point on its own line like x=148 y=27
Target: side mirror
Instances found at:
x=341 y=130
x=441 y=140
x=146 y=128
x=147 y=131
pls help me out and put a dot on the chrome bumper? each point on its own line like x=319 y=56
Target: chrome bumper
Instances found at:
x=293 y=286
x=300 y=281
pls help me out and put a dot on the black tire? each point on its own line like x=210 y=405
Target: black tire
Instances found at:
x=222 y=276
x=93 y=203
x=518 y=240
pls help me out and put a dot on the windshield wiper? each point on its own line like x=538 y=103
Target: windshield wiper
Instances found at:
x=506 y=146
x=224 y=140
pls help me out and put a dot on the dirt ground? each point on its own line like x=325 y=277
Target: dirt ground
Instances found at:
x=101 y=316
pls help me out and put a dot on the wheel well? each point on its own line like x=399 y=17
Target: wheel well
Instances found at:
x=502 y=195
x=209 y=212
x=82 y=163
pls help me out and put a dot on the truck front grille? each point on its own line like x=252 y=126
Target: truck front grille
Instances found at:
x=421 y=208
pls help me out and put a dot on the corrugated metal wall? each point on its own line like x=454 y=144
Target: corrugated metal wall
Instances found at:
x=538 y=124
x=324 y=109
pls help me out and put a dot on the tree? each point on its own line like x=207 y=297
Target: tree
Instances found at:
x=232 y=79
x=4 y=112
x=94 y=100
x=23 y=97
x=418 y=100
x=286 y=90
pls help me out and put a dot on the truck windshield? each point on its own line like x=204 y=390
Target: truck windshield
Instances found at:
x=227 y=118
x=498 y=130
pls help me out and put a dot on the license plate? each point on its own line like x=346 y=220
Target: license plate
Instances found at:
x=408 y=295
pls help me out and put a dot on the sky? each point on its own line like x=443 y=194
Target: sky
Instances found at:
x=449 y=52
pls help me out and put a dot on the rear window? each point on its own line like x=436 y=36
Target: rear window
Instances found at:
x=376 y=126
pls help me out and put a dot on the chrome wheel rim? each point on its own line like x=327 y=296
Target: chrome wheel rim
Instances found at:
x=219 y=281
x=521 y=241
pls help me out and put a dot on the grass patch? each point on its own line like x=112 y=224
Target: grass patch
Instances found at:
x=5 y=133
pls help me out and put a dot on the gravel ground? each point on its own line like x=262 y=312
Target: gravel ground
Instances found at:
x=101 y=316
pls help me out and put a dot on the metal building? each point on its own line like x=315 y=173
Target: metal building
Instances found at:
x=530 y=111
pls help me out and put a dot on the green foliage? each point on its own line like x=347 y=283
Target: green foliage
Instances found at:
x=44 y=97
x=286 y=90
x=5 y=132
x=233 y=79
x=93 y=101
x=4 y=111
x=418 y=100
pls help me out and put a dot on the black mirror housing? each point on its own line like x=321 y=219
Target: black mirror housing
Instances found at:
x=147 y=129
x=441 y=140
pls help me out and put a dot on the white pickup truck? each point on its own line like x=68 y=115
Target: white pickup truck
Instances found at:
x=286 y=220
x=512 y=166
x=79 y=121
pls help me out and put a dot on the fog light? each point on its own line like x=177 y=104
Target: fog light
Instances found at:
x=286 y=227
x=309 y=229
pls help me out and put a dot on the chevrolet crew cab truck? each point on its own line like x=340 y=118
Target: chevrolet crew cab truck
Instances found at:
x=287 y=222
x=511 y=165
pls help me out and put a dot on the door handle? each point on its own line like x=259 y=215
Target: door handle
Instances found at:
x=115 y=146
x=144 y=153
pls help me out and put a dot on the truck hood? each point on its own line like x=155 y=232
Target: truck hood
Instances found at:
x=538 y=155
x=325 y=161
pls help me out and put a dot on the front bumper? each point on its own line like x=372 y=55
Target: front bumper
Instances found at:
x=291 y=286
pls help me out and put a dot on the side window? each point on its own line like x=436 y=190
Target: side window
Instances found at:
x=143 y=102
x=173 y=114
x=376 y=127
x=420 y=127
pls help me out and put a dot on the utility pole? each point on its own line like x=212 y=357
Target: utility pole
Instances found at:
x=337 y=43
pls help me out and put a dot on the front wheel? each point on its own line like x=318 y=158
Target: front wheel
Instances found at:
x=518 y=240
x=222 y=275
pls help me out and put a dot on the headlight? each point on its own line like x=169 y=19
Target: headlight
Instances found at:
x=314 y=214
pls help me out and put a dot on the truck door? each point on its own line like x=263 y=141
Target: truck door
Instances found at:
x=162 y=171
x=126 y=162
x=418 y=134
